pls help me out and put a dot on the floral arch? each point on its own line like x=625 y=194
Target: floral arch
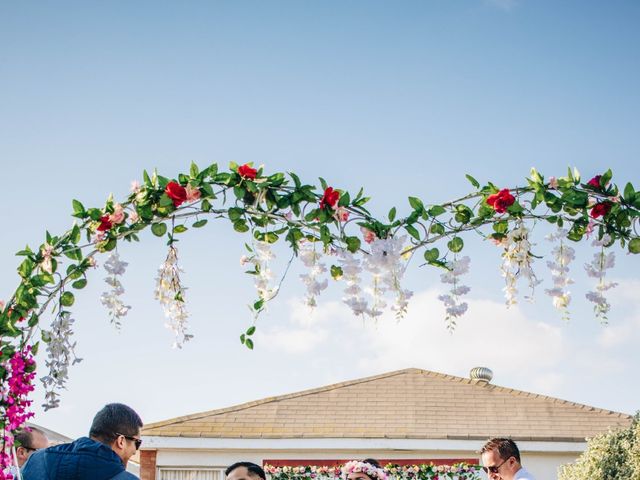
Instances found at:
x=332 y=233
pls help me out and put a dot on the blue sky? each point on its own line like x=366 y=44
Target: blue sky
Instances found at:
x=402 y=98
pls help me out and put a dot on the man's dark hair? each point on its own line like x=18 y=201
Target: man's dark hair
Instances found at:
x=252 y=468
x=372 y=461
x=113 y=420
x=25 y=436
x=505 y=446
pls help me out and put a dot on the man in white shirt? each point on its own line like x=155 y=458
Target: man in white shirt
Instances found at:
x=501 y=460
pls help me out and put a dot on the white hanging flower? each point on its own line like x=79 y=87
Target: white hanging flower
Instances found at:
x=170 y=293
x=563 y=255
x=387 y=265
x=264 y=275
x=454 y=307
x=351 y=270
x=111 y=299
x=60 y=355
x=311 y=259
x=598 y=269
x=517 y=262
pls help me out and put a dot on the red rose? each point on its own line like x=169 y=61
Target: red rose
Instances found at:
x=245 y=171
x=330 y=198
x=105 y=224
x=595 y=181
x=176 y=192
x=600 y=209
x=501 y=200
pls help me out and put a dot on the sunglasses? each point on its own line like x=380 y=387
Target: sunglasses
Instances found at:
x=494 y=468
x=137 y=441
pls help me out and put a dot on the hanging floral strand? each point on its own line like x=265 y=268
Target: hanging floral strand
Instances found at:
x=170 y=293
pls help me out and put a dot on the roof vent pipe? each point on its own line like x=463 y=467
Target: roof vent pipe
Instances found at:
x=481 y=375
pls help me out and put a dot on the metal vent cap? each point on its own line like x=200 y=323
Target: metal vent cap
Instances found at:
x=481 y=374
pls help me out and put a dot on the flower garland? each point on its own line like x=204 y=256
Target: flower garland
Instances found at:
x=430 y=471
x=280 y=207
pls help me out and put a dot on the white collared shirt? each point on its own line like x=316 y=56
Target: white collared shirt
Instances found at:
x=522 y=474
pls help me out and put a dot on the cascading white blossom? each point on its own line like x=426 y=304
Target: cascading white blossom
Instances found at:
x=60 y=355
x=602 y=261
x=170 y=293
x=386 y=265
x=111 y=299
x=262 y=257
x=311 y=259
x=351 y=270
x=453 y=306
x=563 y=255
x=517 y=262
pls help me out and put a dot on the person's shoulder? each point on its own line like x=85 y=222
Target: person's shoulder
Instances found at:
x=523 y=474
x=125 y=476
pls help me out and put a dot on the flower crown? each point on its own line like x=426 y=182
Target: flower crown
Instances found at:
x=363 y=467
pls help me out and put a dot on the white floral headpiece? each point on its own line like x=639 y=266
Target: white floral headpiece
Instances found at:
x=363 y=467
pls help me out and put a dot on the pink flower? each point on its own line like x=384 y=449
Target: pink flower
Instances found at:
x=47 y=263
x=135 y=186
x=193 y=193
x=553 y=182
x=134 y=217
x=118 y=214
x=369 y=235
x=98 y=237
x=341 y=214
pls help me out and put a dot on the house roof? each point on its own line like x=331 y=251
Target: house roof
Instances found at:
x=411 y=403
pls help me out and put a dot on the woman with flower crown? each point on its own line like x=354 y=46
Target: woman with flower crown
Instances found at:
x=367 y=469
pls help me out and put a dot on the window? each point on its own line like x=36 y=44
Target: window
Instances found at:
x=177 y=473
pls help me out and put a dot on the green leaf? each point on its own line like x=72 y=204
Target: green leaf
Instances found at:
x=455 y=244
x=336 y=272
x=634 y=245
x=249 y=343
x=437 y=229
x=353 y=244
x=629 y=193
x=159 y=229
x=194 y=170
x=251 y=330
x=79 y=284
x=436 y=210
x=78 y=209
x=413 y=231
x=67 y=299
x=431 y=255
x=416 y=203
x=179 y=229
x=205 y=205
x=392 y=214
x=235 y=213
x=240 y=226
x=74 y=254
x=473 y=181
x=200 y=223
x=345 y=199
x=258 y=304
x=242 y=338
x=606 y=178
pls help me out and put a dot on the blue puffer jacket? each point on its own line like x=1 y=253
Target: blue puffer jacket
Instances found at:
x=84 y=459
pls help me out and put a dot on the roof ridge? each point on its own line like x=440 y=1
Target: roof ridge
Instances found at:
x=277 y=398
